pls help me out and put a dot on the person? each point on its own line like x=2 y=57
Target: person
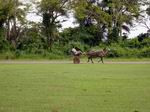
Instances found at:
x=76 y=52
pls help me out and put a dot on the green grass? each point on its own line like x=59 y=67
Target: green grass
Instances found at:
x=74 y=88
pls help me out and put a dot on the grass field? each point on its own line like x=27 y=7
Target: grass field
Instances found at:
x=74 y=88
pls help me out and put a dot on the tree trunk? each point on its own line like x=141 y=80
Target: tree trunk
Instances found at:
x=15 y=35
x=8 y=30
x=49 y=41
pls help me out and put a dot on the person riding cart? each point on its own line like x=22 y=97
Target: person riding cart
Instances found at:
x=76 y=53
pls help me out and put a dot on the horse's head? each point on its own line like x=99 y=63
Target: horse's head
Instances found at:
x=106 y=51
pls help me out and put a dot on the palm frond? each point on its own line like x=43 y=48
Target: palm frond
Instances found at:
x=126 y=28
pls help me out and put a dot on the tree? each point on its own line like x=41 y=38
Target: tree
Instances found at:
x=113 y=15
x=13 y=15
x=122 y=12
x=145 y=14
x=4 y=11
x=88 y=13
x=16 y=20
x=51 y=11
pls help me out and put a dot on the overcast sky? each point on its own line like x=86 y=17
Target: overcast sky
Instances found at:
x=136 y=30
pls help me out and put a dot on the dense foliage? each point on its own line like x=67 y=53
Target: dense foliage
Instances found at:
x=101 y=24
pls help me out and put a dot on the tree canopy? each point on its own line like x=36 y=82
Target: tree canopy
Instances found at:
x=100 y=22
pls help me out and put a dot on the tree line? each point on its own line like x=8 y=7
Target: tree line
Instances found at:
x=101 y=23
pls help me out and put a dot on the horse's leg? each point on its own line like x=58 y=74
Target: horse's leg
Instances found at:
x=88 y=59
x=92 y=60
x=99 y=60
x=102 y=60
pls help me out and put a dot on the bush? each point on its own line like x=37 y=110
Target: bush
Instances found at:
x=4 y=45
x=7 y=55
x=67 y=48
x=145 y=42
x=145 y=52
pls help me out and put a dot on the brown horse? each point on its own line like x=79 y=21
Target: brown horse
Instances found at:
x=95 y=54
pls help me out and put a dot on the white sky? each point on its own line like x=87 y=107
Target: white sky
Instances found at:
x=136 y=30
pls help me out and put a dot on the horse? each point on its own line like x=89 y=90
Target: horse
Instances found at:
x=95 y=54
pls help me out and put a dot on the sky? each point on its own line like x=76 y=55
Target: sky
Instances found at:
x=134 y=31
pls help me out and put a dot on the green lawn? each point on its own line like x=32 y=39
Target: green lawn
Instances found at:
x=74 y=88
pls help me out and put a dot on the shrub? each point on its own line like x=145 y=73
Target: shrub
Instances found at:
x=145 y=52
x=4 y=45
